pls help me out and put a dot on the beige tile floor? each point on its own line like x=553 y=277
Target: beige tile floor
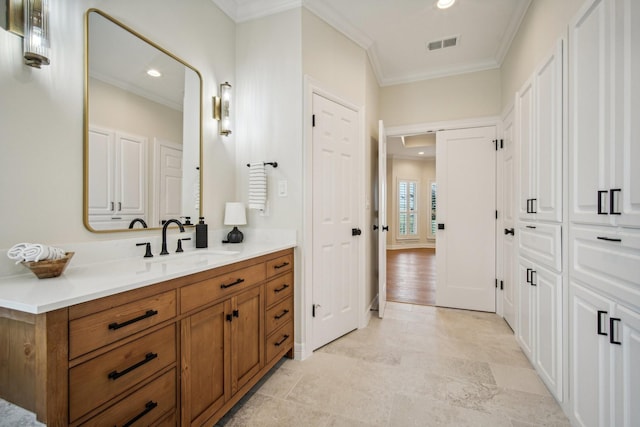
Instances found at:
x=420 y=366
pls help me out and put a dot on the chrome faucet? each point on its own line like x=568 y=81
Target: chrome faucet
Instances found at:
x=164 y=234
x=140 y=220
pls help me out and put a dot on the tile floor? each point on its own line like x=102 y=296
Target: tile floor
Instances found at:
x=420 y=366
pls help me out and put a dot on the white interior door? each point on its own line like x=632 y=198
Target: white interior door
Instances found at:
x=170 y=180
x=465 y=243
x=382 y=219
x=335 y=178
x=507 y=217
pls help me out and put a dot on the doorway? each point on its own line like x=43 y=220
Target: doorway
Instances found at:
x=412 y=271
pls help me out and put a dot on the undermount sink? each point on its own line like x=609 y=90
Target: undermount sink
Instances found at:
x=191 y=257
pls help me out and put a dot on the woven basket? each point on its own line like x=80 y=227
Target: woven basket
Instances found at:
x=50 y=267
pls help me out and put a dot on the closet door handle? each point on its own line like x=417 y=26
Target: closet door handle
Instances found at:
x=112 y=207
x=612 y=201
x=528 y=205
x=533 y=227
x=533 y=206
x=533 y=282
x=600 y=211
x=600 y=331
x=608 y=239
x=528 y=275
x=612 y=329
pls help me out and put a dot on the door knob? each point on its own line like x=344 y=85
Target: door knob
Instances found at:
x=375 y=227
x=356 y=232
x=509 y=231
x=385 y=228
x=440 y=226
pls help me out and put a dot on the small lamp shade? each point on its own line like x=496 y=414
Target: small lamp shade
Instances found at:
x=235 y=214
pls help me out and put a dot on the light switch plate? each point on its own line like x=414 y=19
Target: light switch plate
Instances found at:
x=282 y=188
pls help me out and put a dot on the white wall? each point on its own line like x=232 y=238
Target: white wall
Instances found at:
x=41 y=113
x=423 y=172
x=543 y=24
x=462 y=96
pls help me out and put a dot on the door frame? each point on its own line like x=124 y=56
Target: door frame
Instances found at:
x=303 y=349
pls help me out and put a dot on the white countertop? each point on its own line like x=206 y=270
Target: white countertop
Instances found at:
x=85 y=282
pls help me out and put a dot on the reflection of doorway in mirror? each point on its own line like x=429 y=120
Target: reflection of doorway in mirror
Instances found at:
x=167 y=180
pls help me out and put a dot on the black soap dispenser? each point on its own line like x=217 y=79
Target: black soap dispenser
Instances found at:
x=201 y=234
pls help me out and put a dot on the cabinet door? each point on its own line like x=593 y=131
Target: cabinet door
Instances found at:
x=548 y=328
x=628 y=103
x=131 y=173
x=247 y=332
x=524 y=136
x=547 y=86
x=526 y=301
x=101 y=164
x=626 y=330
x=590 y=357
x=590 y=107
x=205 y=363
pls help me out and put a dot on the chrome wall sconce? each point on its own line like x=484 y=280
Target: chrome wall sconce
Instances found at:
x=221 y=109
x=30 y=20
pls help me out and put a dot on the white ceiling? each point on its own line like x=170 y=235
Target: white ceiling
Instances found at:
x=395 y=32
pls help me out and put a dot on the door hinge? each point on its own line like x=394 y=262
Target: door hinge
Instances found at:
x=313 y=120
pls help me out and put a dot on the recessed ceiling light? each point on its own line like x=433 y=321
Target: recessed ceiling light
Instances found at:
x=421 y=152
x=154 y=73
x=444 y=4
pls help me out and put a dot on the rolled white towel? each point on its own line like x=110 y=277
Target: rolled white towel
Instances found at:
x=36 y=252
x=16 y=251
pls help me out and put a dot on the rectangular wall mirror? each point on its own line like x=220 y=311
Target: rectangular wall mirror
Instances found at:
x=142 y=130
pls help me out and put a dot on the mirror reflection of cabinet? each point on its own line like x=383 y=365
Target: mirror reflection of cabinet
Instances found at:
x=129 y=119
x=117 y=179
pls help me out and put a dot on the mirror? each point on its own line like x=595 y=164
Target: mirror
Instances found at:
x=142 y=130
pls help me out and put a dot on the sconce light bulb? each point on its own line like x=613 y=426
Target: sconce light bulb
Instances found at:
x=36 y=32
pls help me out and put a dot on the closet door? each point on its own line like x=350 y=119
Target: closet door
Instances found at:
x=526 y=308
x=101 y=164
x=525 y=138
x=548 y=328
x=628 y=103
x=589 y=122
x=131 y=171
x=548 y=137
x=627 y=368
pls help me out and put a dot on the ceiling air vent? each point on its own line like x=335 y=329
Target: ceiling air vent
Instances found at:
x=442 y=44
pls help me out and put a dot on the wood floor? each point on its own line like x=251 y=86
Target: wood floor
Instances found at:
x=411 y=276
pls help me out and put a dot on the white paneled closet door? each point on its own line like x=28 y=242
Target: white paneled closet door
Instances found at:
x=524 y=135
x=590 y=135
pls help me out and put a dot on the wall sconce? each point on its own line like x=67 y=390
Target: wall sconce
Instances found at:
x=30 y=20
x=221 y=109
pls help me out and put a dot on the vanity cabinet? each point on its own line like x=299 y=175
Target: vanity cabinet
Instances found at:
x=179 y=352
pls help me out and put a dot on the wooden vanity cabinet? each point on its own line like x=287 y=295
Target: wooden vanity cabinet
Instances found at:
x=176 y=353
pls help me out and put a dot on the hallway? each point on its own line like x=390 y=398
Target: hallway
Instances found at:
x=420 y=366
x=411 y=276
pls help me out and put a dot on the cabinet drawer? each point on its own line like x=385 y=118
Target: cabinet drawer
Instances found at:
x=280 y=342
x=279 y=288
x=96 y=330
x=104 y=377
x=542 y=243
x=279 y=265
x=148 y=405
x=278 y=315
x=202 y=293
x=607 y=259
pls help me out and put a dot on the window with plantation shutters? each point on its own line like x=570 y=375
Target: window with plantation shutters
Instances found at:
x=407 y=209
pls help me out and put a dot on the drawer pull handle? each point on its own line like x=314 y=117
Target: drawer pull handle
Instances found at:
x=275 y=291
x=609 y=239
x=237 y=282
x=281 y=315
x=150 y=406
x=279 y=266
x=600 y=331
x=533 y=227
x=612 y=329
x=115 y=326
x=147 y=358
x=279 y=343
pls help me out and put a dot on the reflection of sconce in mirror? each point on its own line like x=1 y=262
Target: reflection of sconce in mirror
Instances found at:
x=30 y=19
x=221 y=109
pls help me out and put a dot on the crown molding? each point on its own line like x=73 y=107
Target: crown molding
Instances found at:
x=442 y=72
x=512 y=30
x=248 y=10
